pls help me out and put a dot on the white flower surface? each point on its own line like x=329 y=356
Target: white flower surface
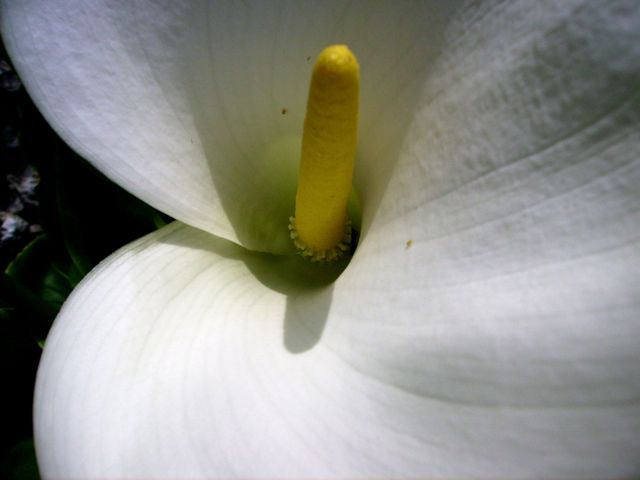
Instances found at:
x=487 y=325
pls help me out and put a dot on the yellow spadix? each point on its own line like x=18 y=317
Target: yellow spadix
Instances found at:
x=321 y=228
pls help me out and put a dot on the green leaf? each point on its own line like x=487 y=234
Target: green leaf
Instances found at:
x=35 y=269
x=37 y=284
x=19 y=462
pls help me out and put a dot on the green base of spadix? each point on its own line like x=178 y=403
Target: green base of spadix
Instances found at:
x=275 y=175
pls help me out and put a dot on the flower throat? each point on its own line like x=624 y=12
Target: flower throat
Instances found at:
x=321 y=228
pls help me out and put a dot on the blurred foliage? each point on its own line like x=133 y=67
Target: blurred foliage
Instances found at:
x=59 y=218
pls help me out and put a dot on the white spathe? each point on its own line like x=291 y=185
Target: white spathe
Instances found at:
x=487 y=325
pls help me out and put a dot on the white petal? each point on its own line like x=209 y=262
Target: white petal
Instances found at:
x=487 y=325
x=192 y=105
x=185 y=356
x=501 y=267
x=158 y=363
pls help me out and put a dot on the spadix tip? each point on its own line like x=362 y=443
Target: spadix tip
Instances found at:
x=337 y=60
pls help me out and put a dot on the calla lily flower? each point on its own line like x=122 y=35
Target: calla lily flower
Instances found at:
x=487 y=324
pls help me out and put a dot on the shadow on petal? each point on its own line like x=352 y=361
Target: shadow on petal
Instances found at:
x=309 y=291
x=305 y=319
x=308 y=287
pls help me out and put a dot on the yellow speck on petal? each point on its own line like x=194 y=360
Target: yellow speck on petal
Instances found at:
x=320 y=227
